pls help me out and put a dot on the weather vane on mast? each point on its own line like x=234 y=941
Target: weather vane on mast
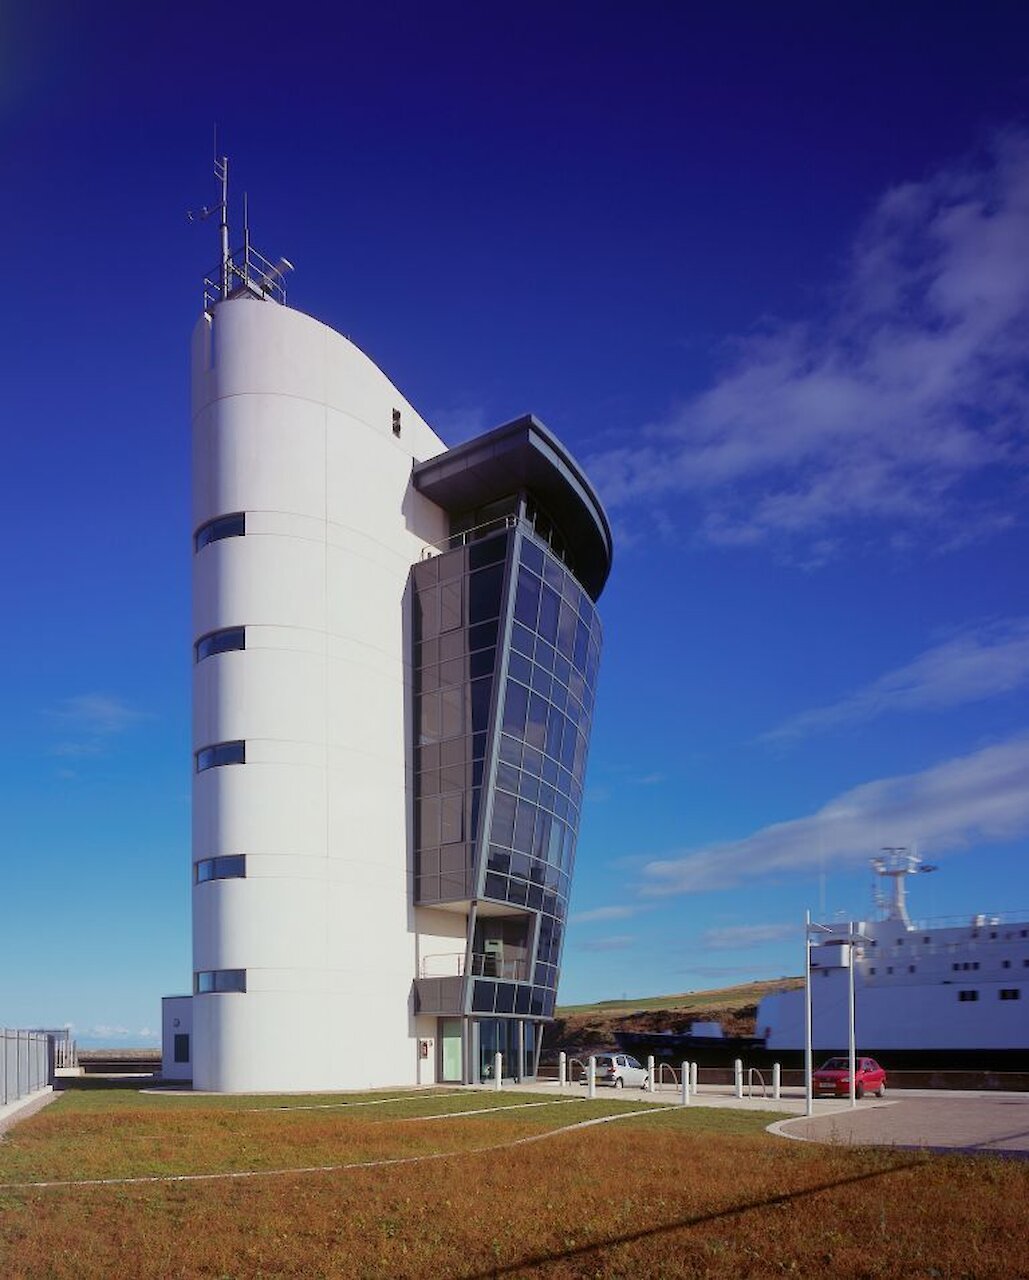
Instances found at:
x=246 y=270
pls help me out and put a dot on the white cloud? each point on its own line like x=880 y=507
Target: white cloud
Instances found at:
x=971 y=799
x=980 y=663
x=602 y=913
x=90 y=720
x=96 y=713
x=742 y=936
x=878 y=412
x=613 y=942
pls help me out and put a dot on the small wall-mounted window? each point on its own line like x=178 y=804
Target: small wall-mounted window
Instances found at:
x=967 y=996
x=232 y=526
x=221 y=641
x=231 y=867
x=220 y=753
x=1010 y=993
x=207 y=981
x=180 y=1050
x=396 y=422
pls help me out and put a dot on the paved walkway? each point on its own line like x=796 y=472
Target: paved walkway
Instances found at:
x=23 y=1108
x=951 y=1120
x=967 y=1122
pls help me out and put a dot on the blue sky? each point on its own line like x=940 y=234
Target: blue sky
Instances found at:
x=764 y=268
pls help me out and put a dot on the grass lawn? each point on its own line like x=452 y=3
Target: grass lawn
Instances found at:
x=677 y=1192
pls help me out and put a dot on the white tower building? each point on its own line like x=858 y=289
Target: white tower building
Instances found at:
x=344 y=934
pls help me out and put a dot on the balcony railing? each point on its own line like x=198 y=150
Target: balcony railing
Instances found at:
x=451 y=964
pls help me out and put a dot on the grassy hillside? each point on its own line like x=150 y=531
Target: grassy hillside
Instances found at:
x=585 y=1026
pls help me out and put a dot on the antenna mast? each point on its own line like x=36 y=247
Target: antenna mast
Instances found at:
x=221 y=172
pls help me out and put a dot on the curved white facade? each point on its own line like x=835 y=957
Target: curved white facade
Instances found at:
x=294 y=426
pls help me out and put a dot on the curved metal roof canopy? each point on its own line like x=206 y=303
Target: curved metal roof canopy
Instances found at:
x=524 y=455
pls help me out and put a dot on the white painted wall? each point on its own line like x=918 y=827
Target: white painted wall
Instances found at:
x=293 y=425
x=176 y=1019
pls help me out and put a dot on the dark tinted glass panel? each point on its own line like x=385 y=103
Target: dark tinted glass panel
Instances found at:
x=484 y=593
x=482 y=636
x=220 y=642
x=482 y=997
x=233 y=526
x=220 y=753
x=527 y=599
x=229 y=867
x=516 y=704
x=208 y=980
x=550 y=608
x=532 y=555
x=487 y=551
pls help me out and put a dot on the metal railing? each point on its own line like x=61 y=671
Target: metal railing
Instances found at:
x=451 y=964
x=246 y=271
x=24 y=1063
x=752 y=1073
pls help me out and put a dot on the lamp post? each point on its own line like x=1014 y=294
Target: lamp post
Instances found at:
x=852 y=940
x=809 y=1067
x=809 y=1102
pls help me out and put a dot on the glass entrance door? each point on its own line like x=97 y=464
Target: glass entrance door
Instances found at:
x=499 y=1035
x=451 y=1065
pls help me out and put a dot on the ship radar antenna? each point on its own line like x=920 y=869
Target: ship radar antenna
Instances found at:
x=894 y=864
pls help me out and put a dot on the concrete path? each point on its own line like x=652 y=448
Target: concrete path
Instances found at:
x=958 y=1122
x=938 y=1120
x=24 y=1107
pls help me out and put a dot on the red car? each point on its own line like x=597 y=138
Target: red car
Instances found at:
x=833 y=1078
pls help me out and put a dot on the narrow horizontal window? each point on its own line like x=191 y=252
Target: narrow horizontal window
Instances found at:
x=220 y=753
x=232 y=526
x=218 y=980
x=1011 y=993
x=231 y=867
x=220 y=642
x=966 y=996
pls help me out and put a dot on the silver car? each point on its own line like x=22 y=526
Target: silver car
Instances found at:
x=619 y=1070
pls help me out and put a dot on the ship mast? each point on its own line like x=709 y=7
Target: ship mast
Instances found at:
x=895 y=864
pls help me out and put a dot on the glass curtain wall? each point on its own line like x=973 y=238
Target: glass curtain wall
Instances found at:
x=506 y=651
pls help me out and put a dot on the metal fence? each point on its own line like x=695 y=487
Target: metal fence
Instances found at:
x=25 y=1063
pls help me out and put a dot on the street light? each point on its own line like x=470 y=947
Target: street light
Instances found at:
x=809 y=1066
x=851 y=942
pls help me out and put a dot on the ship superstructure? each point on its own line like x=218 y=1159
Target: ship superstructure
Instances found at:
x=938 y=985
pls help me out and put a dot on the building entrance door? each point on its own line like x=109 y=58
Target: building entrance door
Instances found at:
x=451 y=1065
x=499 y=1035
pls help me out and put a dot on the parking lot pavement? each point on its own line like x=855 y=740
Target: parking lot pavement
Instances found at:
x=968 y=1122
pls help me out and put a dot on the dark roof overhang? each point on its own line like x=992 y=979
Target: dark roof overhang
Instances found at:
x=524 y=455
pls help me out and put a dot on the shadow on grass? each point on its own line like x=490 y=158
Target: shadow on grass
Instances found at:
x=700 y=1219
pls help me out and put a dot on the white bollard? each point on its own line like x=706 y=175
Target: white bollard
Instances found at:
x=591 y=1077
x=693 y=1077
x=738 y=1068
x=651 y=1078
x=685 y=1088
x=498 y=1070
x=776 y=1080
x=562 y=1070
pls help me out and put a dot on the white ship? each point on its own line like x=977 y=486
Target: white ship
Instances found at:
x=953 y=989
